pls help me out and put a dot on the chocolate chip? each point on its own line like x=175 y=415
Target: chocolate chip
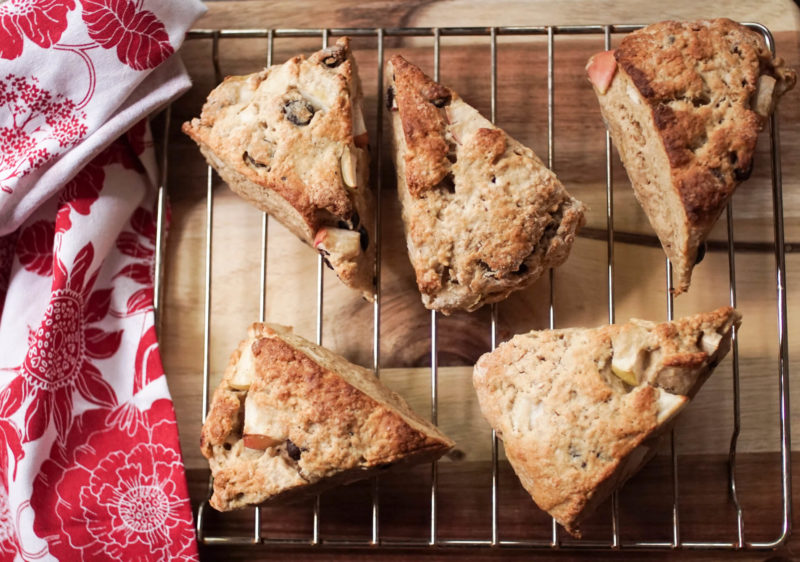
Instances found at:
x=364 y=238
x=253 y=162
x=488 y=270
x=298 y=112
x=446 y=276
x=441 y=101
x=389 y=98
x=701 y=253
x=741 y=174
x=523 y=268
x=550 y=230
x=351 y=224
x=293 y=450
x=333 y=57
x=448 y=183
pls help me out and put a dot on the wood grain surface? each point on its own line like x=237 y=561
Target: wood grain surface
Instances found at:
x=464 y=505
x=580 y=286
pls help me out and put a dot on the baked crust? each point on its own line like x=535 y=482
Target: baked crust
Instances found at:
x=684 y=109
x=326 y=422
x=291 y=140
x=483 y=215
x=572 y=429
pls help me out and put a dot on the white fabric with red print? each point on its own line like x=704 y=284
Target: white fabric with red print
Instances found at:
x=90 y=463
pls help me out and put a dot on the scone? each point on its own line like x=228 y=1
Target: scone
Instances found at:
x=581 y=410
x=291 y=140
x=483 y=215
x=292 y=418
x=684 y=103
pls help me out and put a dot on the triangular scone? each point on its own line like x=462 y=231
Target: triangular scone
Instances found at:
x=291 y=140
x=483 y=215
x=684 y=103
x=292 y=418
x=580 y=410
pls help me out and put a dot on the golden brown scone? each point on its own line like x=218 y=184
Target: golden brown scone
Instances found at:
x=291 y=140
x=581 y=410
x=684 y=103
x=291 y=418
x=483 y=215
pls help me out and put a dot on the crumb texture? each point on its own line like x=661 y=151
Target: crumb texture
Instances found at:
x=580 y=410
x=685 y=109
x=483 y=215
x=290 y=418
x=291 y=140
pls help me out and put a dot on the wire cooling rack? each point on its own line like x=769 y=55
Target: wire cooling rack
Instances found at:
x=603 y=33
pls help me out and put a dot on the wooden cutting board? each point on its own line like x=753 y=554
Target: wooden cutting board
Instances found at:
x=579 y=286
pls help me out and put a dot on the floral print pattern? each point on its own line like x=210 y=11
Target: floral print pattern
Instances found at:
x=90 y=462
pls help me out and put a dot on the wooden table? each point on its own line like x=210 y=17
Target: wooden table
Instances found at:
x=703 y=434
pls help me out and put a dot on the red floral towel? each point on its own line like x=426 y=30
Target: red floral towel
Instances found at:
x=90 y=464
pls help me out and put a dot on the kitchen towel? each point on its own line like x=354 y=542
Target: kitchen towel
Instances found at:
x=90 y=462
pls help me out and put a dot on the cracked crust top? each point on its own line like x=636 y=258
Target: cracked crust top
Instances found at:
x=483 y=215
x=291 y=418
x=685 y=102
x=701 y=78
x=579 y=410
x=291 y=140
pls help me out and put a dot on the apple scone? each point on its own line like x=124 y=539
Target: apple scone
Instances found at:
x=291 y=140
x=292 y=418
x=581 y=410
x=483 y=215
x=684 y=103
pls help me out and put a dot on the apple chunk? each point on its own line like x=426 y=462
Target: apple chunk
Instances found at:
x=629 y=357
x=262 y=425
x=346 y=243
x=260 y=442
x=601 y=69
x=244 y=371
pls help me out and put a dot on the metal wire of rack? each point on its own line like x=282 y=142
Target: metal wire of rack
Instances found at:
x=555 y=541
